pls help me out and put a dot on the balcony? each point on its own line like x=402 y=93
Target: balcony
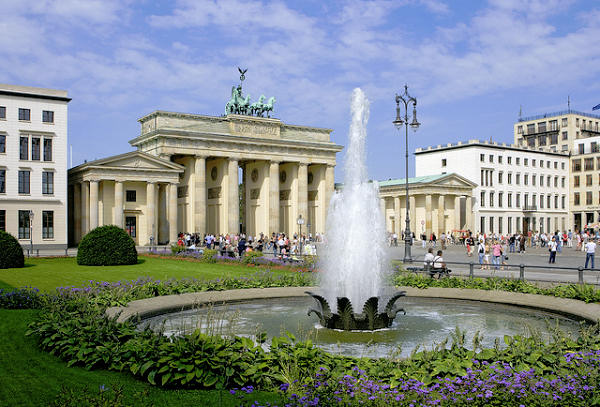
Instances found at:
x=536 y=133
x=529 y=208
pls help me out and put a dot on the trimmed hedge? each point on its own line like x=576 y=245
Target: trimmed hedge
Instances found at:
x=12 y=252
x=106 y=246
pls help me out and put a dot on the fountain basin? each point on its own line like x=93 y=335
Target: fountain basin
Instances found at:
x=428 y=321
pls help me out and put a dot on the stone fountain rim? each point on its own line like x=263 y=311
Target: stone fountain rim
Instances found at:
x=149 y=307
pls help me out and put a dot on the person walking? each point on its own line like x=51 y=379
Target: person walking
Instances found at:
x=496 y=252
x=552 y=245
x=481 y=252
x=590 y=252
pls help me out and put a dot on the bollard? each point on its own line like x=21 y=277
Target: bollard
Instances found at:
x=580 y=269
x=38 y=253
x=471 y=272
x=522 y=272
x=66 y=252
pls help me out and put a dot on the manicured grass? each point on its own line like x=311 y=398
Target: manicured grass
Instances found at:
x=31 y=377
x=48 y=273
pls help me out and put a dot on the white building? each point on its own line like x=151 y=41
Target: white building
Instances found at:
x=518 y=189
x=33 y=165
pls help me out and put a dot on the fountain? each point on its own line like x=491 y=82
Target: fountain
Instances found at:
x=355 y=262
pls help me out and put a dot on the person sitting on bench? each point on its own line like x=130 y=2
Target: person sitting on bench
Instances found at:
x=439 y=265
x=428 y=260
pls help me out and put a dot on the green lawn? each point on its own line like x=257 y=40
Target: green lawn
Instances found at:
x=49 y=273
x=31 y=377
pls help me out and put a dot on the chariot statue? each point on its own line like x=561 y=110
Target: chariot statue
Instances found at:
x=238 y=104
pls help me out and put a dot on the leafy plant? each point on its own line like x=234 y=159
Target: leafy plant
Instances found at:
x=106 y=246
x=12 y=252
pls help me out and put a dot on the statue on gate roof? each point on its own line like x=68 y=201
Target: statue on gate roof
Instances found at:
x=237 y=104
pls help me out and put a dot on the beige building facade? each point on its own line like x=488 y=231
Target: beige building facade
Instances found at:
x=33 y=166
x=437 y=203
x=206 y=174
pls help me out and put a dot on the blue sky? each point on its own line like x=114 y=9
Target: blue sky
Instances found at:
x=470 y=64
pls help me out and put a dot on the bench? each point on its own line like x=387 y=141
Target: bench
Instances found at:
x=440 y=272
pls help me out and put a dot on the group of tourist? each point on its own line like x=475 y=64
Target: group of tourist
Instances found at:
x=236 y=245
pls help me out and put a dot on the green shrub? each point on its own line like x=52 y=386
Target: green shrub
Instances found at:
x=250 y=257
x=12 y=252
x=208 y=256
x=175 y=248
x=106 y=246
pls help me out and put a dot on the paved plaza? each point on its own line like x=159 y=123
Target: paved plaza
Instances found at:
x=564 y=270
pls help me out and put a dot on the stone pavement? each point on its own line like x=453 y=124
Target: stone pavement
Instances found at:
x=558 y=272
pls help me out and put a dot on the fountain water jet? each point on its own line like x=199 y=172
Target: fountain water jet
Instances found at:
x=355 y=262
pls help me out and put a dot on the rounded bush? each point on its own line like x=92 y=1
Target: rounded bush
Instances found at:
x=12 y=252
x=106 y=246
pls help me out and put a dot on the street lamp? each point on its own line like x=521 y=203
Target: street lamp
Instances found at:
x=406 y=100
x=300 y=222
x=31 y=233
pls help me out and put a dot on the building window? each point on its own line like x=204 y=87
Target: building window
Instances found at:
x=491 y=158
x=548 y=180
x=2 y=143
x=24 y=182
x=24 y=225
x=2 y=181
x=47 y=183
x=500 y=198
x=541 y=180
x=562 y=165
x=541 y=163
x=541 y=201
x=533 y=162
x=534 y=200
x=130 y=225
x=24 y=114
x=499 y=159
x=482 y=157
x=500 y=174
x=2 y=112
x=443 y=162
x=509 y=178
x=564 y=122
x=47 y=225
x=588 y=164
x=576 y=122
x=581 y=148
x=555 y=165
x=526 y=179
x=518 y=201
x=563 y=202
x=588 y=198
x=541 y=127
x=24 y=148
x=533 y=179
x=491 y=224
x=531 y=142
x=518 y=179
x=576 y=198
x=594 y=147
x=556 y=181
x=548 y=201
x=576 y=181
x=47 y=116
x=553 y=124
x=509 y=226
x=588 y=180
x=482 y=200
x=564 y=135
x=130 y=195
x=519 y=129
x=491 y=199
x=509 y=202
x=47 y=149
x=576 y=165
x=518 y=161
x=530 y=128
x=482 y=224
x=542 y=140
x=35 y=148
x=525 y=161
x=509 y=160
x=3 y=220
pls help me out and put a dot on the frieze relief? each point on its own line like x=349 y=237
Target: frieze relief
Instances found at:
x=214 y=193
x=255 y=193
x=254 y=129
x=284 y=195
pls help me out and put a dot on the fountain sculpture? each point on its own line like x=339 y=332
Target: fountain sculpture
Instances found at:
x=355 y=262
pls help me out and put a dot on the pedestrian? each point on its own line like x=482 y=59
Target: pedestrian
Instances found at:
x=481 y=252
x=590 y=251
x=496 y=252
x=552 y=245
x=486 y=256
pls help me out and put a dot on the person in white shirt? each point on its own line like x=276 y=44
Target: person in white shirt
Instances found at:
x=428 y=260
x=552 y=245
x=590 y=252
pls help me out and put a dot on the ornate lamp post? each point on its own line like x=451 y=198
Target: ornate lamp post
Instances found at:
x=31 y=233
x=406 y=100
x=300 y=222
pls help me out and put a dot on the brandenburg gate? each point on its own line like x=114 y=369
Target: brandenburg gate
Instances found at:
x=240 y=172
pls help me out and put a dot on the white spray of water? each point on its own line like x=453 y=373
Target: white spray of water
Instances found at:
x=355 y=261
